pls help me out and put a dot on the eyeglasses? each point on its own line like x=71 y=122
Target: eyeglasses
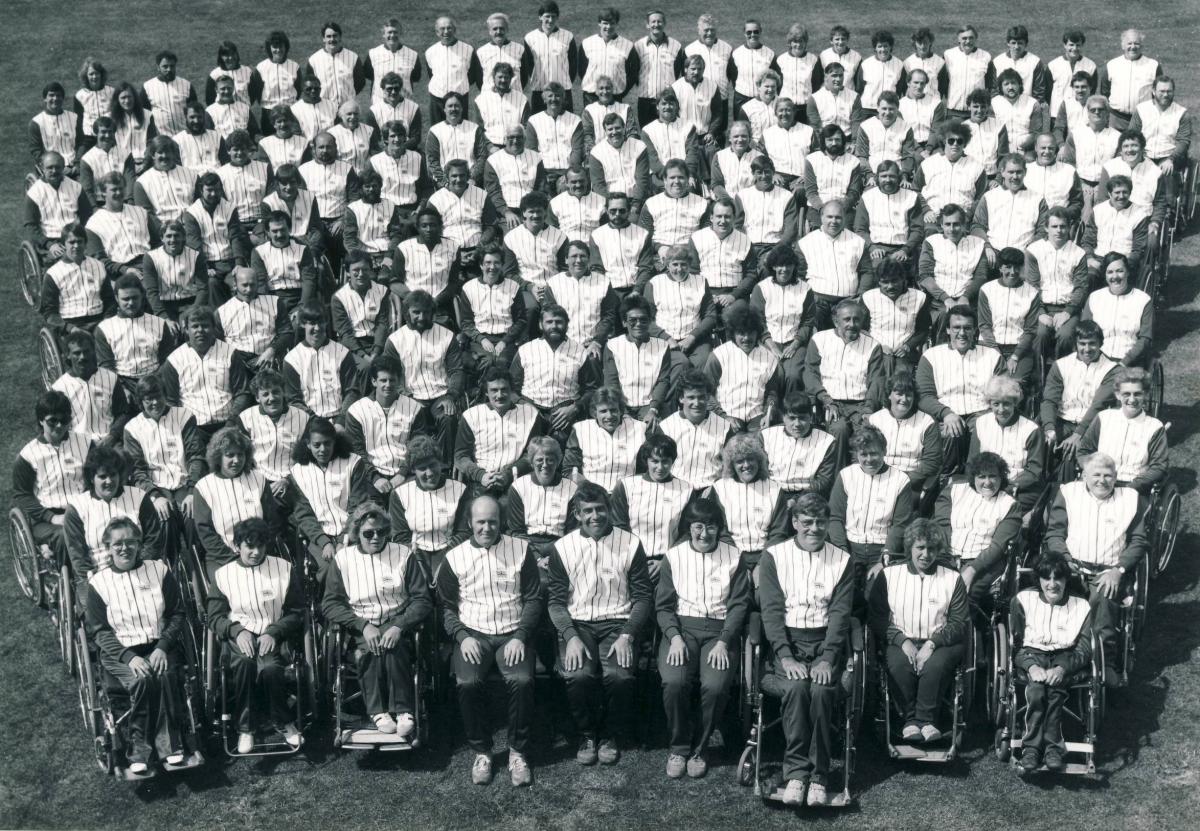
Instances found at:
x=1097 y=110
x=372 y=533
x=125 y=545
x=953 y=140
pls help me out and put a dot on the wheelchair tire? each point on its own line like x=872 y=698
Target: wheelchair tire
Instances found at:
x=49 y=357
x=745 y=768
x=66 y=620
x=29 y=266
x=89 y=709
x=313 y=688
x=997 y=678
x=1001 y=745
x=1167 y=528
x=25 y=556
x=1191 y=192
x=1158 y=389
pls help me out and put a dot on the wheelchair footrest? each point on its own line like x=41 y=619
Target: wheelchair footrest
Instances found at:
x=918 y=753
x=368 y=738
x=840 y=799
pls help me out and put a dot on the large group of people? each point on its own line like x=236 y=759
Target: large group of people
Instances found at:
x=599 y=341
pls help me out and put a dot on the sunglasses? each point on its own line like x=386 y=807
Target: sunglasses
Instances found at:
x=371 y=533
x=954 y=141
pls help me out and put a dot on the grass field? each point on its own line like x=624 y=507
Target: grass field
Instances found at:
x=1150 y=759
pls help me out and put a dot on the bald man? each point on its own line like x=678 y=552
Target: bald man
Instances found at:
x=491 y=597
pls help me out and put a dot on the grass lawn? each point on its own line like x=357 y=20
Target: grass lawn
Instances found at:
x=1150 y=761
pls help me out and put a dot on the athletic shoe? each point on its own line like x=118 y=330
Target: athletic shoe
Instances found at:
x=1055 y=760
x=384 y=722
x=138 y=767
x=176 y=758
x=609 y=753
x=930 y=733
x=911 y=733
x=676 y=765
x=245 y=743
x=817 y=797
x=291 y=735
x=518 y=769
x=586 y=754
x=1030 y=759
x=481 y=769
x=405 y=724
x=696 y=766
x=793 y=794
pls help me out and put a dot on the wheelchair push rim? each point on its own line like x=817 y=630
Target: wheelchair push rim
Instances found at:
x=30 y=268
x=49 y=357
x=25 y=556
x=1168 y=529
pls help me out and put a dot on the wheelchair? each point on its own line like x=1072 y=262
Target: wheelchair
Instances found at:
x=761 y=685
x=1084 y=711
x=1186 y=205
x=32 y=270
x=105 y=712
x=47 y=582
x=1162 y=518
x=50 y=356
x=352 y=729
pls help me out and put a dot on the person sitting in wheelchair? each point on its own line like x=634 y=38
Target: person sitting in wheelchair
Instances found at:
x=806 y=588
x=1135 y=439
x=53 y=202
x=918 y=610
x=76 y=294
x=135 y=617
x=1013 y=437
x=256 y=609
x=1099 y=529
x=378 y=591
x=1053 y=634
x=100 y=407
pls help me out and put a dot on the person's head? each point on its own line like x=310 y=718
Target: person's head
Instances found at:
x=667 y=106
x=277 y=46
x=200 y=326
x=122 y=540
x=578 y=183
x=739 y=137
x=544 y=456
x=1163 y=92
x=514 y=140
x=497 y=387
x=918 y=83
x=52 y=411
x=979 y=105
x=163 y=152
x=810 y=521
x=502 y=76
x=268 y=389
x=868 y=446
x=497 y=26
x=797 y=39
x=554 y=96
x=676 y=178
x=781 y=263
x=1011 y=262
x=228 y=56
x=922 y=41
x=104 y=471
x=320 y=444
x=608 y=408
x=1131 y=385
x=743 y=458
x=955 y=136
x=752 y=31
x=426 y=463
x=839 y=39
x=131 y=296
x=1132 y=144
x=695 y=391
x=785 y=112
x=1053 y=572
x=962 y=327
x=195 y=118
x=592 y=509
x=833 y=217
x=1089 y=340
x=657 y=454
x=693 y=69
x=1017 y=40
x=1097 y=112
x=324 y=148
x=1010 y=84
x=126 y=105
x=1114 y=269
x=1082 y=86
x=721 y=215
x=331 y=36
x=768 y=85
x=252 y=540
x=230 y=453
x=578 y=259
x=835 y=77
x=1131 y=44
x=1120 y=189
x=150 y=396
x=418 y=309
x=165 y=62
x=554 y=323
x=606 y=90
x=1003 y=396
x=902 y=394
x=446 y=29
x=607 y=21
x=369 y=527
x=893 y=278
x=79 y=352
x=617 y=207
x=797 y=411
x=833 y=140
x=533 y=207
x=241 y=147
x=987 y=473
x=245 y=283
x=849 y=316
x=1045 y=149
x=925 y=543
x=429 y=224
x=1072 y=44
x=210 y=189
x=548 y=15
x=1100 y=475
x=614 y=129
x=637 y=314
x=656 y=25
x=455 y=107
x=485 y=521
x=763 y=171
x=174 y=237
x=386 y=376
x=285 y=124
x=887 y=176
x=705 y=523
x=967 y=38
x=359 y=274
x=744 y=324
x=888 y=107
x=314 y=330
x=883 y=43
x=350 y=114
x=74 y=240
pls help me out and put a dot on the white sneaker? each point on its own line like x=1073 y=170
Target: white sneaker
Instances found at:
x=175 y=759
x=518 y=769
x=138 y=767
x=481 y=769
x=384 y=722
x=793 y=794
x=930 y=733
x=817 y=795
x=405 y=724
x=245 y=743
x=292 y=735
x=911 y=733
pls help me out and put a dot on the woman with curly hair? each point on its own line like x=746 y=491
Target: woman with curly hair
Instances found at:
x=755 y=508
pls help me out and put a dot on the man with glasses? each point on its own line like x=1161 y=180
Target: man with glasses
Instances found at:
x=747 y=63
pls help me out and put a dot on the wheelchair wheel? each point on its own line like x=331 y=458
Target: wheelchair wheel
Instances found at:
x=313 y=688
x=29 y=266
x=1166 y=532
x=997 y=677
x=1191 y=191
x=1141 y=601
x=1001 y=746
x=89 y=708
x=49 y=357
x=745 y=768
x=1158 y=388
x=25 y=556
x=67 y=623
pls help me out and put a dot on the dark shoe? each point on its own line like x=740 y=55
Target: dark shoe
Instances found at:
x=1030 y=760
x=1055 y=760
x=586 y=754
